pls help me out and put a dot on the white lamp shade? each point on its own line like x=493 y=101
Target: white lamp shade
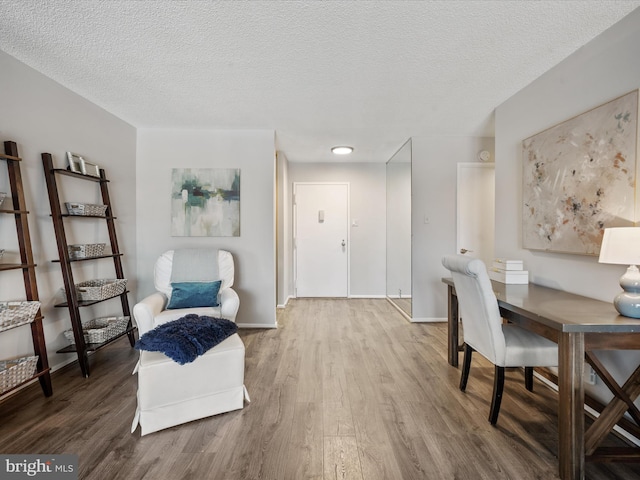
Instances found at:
x=621 y=245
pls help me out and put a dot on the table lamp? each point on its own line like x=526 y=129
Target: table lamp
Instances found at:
x=621 y=245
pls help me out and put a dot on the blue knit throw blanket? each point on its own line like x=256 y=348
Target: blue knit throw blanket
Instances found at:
x=186 y=338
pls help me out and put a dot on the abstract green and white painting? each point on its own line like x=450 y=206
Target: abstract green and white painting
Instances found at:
x=205 y=202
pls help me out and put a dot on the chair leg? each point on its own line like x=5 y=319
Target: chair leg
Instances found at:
x=466 y=366
x=498 y=387
x=528 y=378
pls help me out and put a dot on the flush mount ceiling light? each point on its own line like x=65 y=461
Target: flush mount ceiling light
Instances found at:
x=342 y=150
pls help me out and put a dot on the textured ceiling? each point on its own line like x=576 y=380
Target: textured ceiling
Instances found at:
x=319 y=73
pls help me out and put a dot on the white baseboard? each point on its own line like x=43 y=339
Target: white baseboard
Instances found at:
x=281 y=306
x=60 y=365
x=429 y=320
x=257 y=325
x=350 y=296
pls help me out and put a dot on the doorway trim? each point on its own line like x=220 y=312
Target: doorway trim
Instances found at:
x=490 y=203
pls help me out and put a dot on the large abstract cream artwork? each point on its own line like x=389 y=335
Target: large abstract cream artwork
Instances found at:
x=579 y=177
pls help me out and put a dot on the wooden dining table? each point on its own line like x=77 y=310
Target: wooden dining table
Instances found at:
x=580 y=326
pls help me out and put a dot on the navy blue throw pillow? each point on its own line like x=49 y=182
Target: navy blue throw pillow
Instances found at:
x=188 y=337
x=194 y=294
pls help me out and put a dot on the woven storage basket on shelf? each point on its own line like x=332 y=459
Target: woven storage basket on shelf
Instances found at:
x=85 y=250
x=100 y=288
x=13 y=314
x=99 y=330
x=14 y=372
x=85 y=209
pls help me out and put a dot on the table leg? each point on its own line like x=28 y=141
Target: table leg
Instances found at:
x=622 y=402
x=571 y=406
x=452 y=326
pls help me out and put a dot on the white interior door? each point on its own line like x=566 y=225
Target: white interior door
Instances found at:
x=321 y=239
x=476 y=210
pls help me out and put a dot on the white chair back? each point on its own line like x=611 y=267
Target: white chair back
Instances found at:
x=478 y=307
x=162 y=271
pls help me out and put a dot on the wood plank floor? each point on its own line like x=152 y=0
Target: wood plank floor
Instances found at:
x=343 y=389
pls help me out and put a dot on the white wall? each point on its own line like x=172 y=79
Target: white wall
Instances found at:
x=600 y=71
x=434 y=171
x=253 y=152
x=367 y=253
x=42 y=116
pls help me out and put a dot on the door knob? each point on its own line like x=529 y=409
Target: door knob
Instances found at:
x=464 y=250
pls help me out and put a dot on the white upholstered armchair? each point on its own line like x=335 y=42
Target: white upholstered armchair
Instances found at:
x=170 y=394
x=152 y=311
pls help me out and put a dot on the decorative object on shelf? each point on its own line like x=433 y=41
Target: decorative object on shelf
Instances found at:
x=85 y=250
x=579 y=177
x=100 y=330
x=205 y=202
x=100 y=288
x=14 y=372
x=13 y=314
x=622 y=246
x=89 y=168
x=85 y=209
x=3 y=195
x=75 y=162
x=1 y=252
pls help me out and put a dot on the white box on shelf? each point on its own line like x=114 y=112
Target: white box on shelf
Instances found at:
x=512 y=277
x=505 y=264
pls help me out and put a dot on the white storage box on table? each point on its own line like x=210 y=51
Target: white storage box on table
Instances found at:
x=85 y=209
x=508 y=271
x=171 y=394
x=506 y=264
x=13 y=314
x=99 y=330
x=14 y=372
x=100 y=288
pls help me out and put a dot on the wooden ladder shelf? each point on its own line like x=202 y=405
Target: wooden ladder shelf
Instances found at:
x=73 y=304
x=19 y=210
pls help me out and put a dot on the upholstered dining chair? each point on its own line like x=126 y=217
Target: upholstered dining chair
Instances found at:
x=503 y=344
